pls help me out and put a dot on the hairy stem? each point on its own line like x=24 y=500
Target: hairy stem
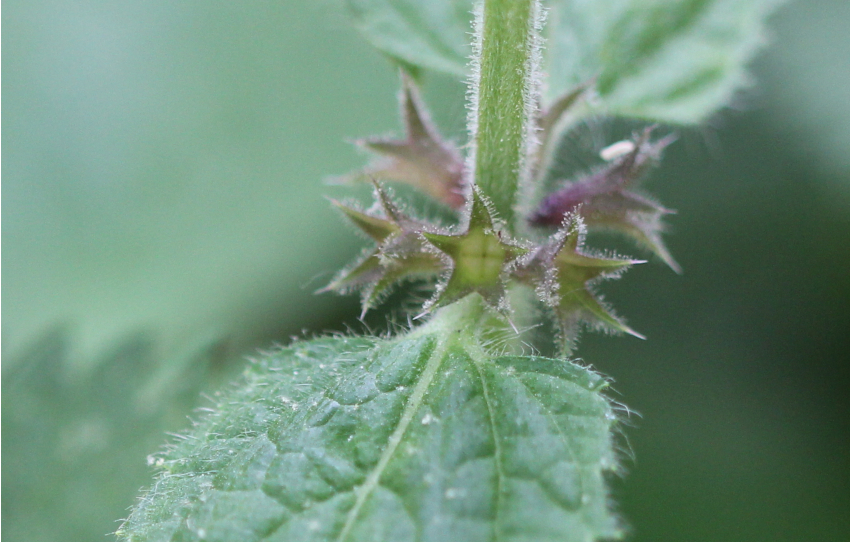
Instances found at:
x=504 y=98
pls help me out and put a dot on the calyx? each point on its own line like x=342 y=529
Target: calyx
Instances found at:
x=480 y=256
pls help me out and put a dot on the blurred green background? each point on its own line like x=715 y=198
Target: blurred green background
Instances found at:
x=163 y=216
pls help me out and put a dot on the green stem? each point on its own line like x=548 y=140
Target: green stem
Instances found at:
x=504 y=99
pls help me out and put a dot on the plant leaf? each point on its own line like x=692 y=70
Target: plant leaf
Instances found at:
x=673 y=61
x=422 y=437
x=429 y=34
x=668 y=60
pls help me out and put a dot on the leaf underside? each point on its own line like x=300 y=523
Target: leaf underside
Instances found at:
x=675 y=61
x=416 y=438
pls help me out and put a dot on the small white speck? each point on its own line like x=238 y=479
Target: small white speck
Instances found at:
x=618 y=149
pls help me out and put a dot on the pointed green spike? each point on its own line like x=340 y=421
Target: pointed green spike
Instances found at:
x=446 y=243
x=554 y=113
x=373 y=294
x=389 y=207
x=573 y=236
x=567 y=286
x=549 y=121
x=651 y=239
x=364 y=271
x=376 y=228
x=583 y=300
x=397 y=270
x=396 y=148
x=480 y=214
x=574 y=265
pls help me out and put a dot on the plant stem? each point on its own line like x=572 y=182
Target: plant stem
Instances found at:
x=504 y=99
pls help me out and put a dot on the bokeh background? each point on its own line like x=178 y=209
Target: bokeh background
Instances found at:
x=163 y=218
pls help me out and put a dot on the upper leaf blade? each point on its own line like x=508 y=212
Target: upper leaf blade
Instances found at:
x=673 y=61
x=419 y=438
x=429 y=34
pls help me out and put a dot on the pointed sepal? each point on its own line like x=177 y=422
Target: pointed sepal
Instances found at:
x=644 y=228
x=376 y=227
x=422 y=158
x=398 y=254
x=366 y=270
x=480 y=258
x=399 y=269
x=606 y=200
x=566 y=276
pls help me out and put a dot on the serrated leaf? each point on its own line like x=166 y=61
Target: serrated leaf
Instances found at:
x=674 y=61
x=669 y=60
x=423 y=437
x=430 y=34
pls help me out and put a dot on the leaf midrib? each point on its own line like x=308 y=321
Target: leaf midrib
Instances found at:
x=478 y=359
x=410 y=408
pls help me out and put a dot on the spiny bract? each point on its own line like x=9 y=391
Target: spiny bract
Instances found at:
x=481 y=255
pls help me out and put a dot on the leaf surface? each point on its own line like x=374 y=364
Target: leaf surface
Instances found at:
x=422 y=437
x=674 y=61
x=430 y=34
x=668 y=60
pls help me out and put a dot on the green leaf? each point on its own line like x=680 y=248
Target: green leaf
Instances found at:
x=423 y=437
x=430 y=34
x=669 y=60
x=674 y=61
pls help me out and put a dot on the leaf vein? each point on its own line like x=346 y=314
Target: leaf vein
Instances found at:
x=477 y=362
x=413 y=404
